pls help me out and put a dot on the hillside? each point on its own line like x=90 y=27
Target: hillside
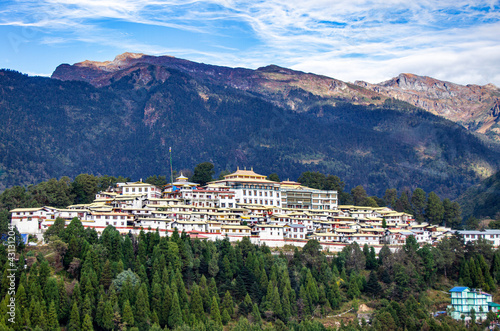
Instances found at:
x=475 y=107
x=120 y=118
x=482 y=200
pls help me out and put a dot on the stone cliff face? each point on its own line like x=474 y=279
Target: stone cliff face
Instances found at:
x=473 y=106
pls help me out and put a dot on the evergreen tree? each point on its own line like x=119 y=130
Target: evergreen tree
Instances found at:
x=87 y=323
x=359 y=195
x=142 y=311
x=128 y=316
x=52 y=320
x=86 y=307
x=215 y=312
x=225 y=317
x=372 y=286
x=74 y=319
x=106 y=276
x=166 y=304
x=197 y=303
x=434 y=212
x=108 y=316
x=419 y=204
x=452 y=214
x=403 y=204
x=175 y=314
x=228 y=303
x=256 y=313
x=203 y=173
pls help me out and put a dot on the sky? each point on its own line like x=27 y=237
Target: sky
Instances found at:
x=370 y=40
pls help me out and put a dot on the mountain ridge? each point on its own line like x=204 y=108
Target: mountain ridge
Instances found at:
x=475 y=107
x=274 y=119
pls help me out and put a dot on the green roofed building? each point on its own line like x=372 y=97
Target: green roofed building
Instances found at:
x=464 y=299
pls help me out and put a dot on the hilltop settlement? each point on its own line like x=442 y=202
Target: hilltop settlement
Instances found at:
x=243 y=204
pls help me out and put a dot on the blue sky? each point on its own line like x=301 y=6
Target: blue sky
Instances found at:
x=455 y=40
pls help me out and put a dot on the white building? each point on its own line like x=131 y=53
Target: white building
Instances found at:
x=295 y=195
x=251 y=188
x=491 y=235
x=139 y=188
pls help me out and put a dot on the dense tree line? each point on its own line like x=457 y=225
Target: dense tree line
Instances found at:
x=150 y=282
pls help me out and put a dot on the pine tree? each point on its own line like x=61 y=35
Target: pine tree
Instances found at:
x=418 y=203
x=74 y=318
x=215 y=312
x=63 y=301
x=225 y=317
x=166 y=304
x=228 y=303
x=175 y=314
x=87 y=323
x=107 y=316
x=142 y=311
x=312 y=288
x=256 y=314
x=52 y=321
x=86 y=307
x=276 y=302
x=373 y=287
x=285 y=305
x=353 y=290
x=246 y=306
x=106 y=275
x=434 y=212
x=100 y=311
x=156 y=299
x=197 y=303
x=128 y=316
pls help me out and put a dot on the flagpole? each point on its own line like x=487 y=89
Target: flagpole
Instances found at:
x=171 y=169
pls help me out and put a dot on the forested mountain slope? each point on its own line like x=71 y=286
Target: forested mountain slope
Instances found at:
x=125 y=126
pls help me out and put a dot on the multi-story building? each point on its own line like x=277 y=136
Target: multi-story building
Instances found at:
x=139 y=188
x=464 y=299
x=492 y=236
x=251 y=188
x=295 y=195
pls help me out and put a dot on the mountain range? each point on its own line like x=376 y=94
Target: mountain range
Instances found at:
x=120 y=118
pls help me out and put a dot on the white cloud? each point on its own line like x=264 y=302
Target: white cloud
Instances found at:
x=346 y=39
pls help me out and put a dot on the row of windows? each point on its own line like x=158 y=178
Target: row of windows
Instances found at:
x=114 y=223
x=262 y=202
x=473 y=236
x=110 y=217
x=260 y=193
x=261 y=187
x=139 y=189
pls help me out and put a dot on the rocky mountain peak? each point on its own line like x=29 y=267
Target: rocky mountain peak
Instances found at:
x=469 y=105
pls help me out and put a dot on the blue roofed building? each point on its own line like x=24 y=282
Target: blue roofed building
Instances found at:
x=464 y=299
